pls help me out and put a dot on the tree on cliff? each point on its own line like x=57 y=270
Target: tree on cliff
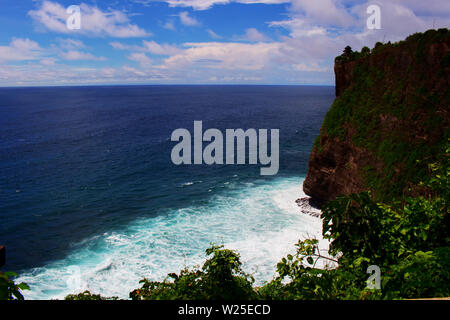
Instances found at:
x=348 y=51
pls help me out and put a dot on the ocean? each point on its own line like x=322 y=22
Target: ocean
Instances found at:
x=90 y=199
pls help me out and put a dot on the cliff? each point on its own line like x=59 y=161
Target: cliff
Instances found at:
x=388 y=122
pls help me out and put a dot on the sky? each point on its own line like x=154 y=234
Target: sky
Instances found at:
x=290 y=42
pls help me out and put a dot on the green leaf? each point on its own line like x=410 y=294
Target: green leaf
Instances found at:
x=23 y=286
x=10 y=274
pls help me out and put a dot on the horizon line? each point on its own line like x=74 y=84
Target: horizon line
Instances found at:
x=160 y=85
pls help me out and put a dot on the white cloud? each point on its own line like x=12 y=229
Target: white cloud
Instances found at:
x=119 y=45
x=319 y=30
x=60 y=74
x=196 y=4
x=213 y=35
x=141 y=58
x=251 y=35
x=309 y=68
x=152 y=47
x=323 y=12
x=160 y=49
x=19 y=50
x=299 y=27
x=70 y=44
x=169 y=25
x=206 y=4
x=254 y=35
x=78 y=55
x=48 y=61
x=188 y=20
x=52 y=16
x=134 y=71
x=438 y=8
x=398 y=20
x=219 y=55
x=226 y=61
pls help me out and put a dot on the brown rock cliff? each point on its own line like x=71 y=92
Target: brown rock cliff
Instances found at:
x=391 y=110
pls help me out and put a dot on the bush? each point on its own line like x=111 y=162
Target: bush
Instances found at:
x=421 y=274
x=221 y=277
x=87 y=295
x=10 y=290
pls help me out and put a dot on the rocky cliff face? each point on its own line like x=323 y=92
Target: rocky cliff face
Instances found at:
x=343 y=72
x=388 y=122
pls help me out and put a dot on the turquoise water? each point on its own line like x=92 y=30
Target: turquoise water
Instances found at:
x=259 y=220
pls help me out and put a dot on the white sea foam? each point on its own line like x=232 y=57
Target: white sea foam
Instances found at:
x=261 y=222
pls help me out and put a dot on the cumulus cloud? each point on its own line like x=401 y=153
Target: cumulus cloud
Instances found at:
x=26 y=49
x=22 y=75
x=213 y=35
x=20 y=49
x=253 y=35
x=120 y=46
x=229 y=55
x=159 y=49
x=314 y=67
x=438 y=8
x=141 y=58
x=52 y=16
x=48 y=61
x=207 y=4
x=323 y=12
x=320 y=29
x=223 y=61
x=399 y=19
x=10 y=75
x=169 y=25
x=188 y=20
x=79 y=55
x=152 y=47
x=70 y=44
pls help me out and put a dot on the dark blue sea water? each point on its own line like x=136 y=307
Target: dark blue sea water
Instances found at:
x=89 y=197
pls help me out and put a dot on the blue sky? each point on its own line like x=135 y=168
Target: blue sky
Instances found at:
x=196 y=41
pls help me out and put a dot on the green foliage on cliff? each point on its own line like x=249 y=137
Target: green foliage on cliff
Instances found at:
x=9 y=290
x=221 y=277
x=399 y=114
x=87 y=295
x=422 y=39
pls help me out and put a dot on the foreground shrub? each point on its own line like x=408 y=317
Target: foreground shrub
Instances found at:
x=9 y=290
x=87 y=295
x=221 y=277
